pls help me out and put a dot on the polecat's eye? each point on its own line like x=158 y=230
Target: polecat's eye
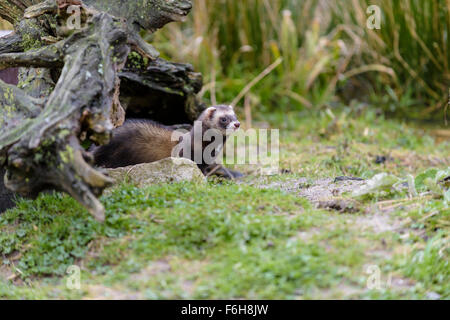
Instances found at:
x=223 y=120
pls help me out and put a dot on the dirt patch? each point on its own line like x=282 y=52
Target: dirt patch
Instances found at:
x=324 y=193
x=7 y=271
x=378 y=223
x=153 y=269
x=172 y=266
x=341 y=205
x=100 y=292
x=7 y=274
x=307 y=235
x=326 y=189
x=341 y=291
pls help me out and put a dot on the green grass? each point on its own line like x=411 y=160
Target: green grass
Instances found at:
x=347 y=143
x=234 y=240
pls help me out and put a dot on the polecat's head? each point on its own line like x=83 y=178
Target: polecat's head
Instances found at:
x=222 y=118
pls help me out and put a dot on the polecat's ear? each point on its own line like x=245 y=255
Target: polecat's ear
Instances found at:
x=210 y=112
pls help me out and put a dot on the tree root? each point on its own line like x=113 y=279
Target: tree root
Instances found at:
x=81 y=88
x=43 y=148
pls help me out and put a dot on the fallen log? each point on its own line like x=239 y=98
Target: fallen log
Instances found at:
x=77 y=84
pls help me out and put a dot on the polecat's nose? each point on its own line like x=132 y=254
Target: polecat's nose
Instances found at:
x=237 y=124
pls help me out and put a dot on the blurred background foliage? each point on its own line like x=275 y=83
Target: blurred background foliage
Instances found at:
x=330 y=57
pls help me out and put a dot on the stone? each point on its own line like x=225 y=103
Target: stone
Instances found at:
x=433 y=295
x=163 y=171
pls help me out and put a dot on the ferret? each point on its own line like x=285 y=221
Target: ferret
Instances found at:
x=145 y=141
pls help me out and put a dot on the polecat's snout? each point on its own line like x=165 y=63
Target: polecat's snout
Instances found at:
x=234 y=126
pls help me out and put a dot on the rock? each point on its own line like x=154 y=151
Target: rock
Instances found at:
x=433 y=295
x=324 y=189
x=380 y=159
x=345 y=178
x=325 y=193
x=163 y=171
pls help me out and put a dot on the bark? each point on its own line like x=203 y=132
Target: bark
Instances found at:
x=12 y=43
x=77 y=85
x=12 y=10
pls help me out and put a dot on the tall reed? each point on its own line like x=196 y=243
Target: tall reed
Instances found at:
x=325 y=46
x=328 y=52
x=413 y=41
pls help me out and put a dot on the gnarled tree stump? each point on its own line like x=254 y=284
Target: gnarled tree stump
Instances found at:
x=77 y=84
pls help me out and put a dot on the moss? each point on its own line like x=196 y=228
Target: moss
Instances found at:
x=38 y=157
x=67 y=155
x=63 y=133
x=32 y=33
x=7 y=109
x=23 y=83
x=136 y=61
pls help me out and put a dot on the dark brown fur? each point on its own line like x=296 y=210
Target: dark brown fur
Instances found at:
x=137 y=141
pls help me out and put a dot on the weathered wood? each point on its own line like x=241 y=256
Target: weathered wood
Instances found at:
x=12 y=10
x=11 y=43
x=43 y=143
x=149 y=14
x=84 y=90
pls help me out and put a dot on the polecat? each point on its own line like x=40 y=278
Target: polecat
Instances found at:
x=144 y=141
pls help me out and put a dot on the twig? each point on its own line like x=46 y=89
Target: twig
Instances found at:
x=424 y=197
x=410 y=70
x=213 y=86
x=295 y=96
x=429 y=216
x=261 y=76
x=372 y=67
x=408 y=206
x=217 y=167
x=248 y=112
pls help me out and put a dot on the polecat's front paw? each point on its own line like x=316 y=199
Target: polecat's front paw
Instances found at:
x=221 y=171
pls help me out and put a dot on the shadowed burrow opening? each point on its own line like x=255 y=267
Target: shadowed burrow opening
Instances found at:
x=142 y=102
x=10 y=75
